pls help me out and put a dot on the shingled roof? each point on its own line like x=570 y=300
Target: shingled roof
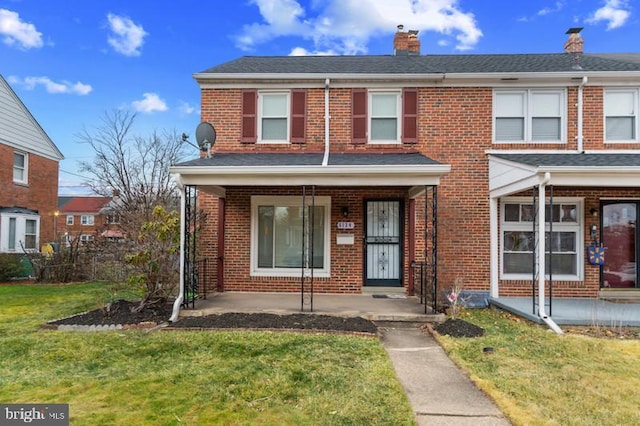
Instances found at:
x=427 y=64
x=604 y=160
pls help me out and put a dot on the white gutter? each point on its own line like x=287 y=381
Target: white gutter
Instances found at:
x=325 y=160
x=183 y=203
x=541 y=255
x=580 y=135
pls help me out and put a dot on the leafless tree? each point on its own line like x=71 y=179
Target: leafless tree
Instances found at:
x=134 y=167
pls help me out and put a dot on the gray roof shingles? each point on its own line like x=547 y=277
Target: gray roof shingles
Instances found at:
x=427 y=64
x=309 y=159
x=574 y=160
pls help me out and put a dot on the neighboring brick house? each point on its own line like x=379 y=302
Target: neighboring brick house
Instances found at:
x=28 y=176
x=87 y=218
x=386 y=146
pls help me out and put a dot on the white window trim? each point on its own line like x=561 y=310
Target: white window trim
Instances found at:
x=370 y=94
x=21 y=227
x=528 y=117
x=261 y=93
x=90 y=220
x=578 y=227
x=636 y=121
x=70 y=219
x=259 y=200
x=86 y=238
x=25 y=173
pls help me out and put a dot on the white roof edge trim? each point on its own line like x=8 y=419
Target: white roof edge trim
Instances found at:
x=435 y=169
x=590 y=169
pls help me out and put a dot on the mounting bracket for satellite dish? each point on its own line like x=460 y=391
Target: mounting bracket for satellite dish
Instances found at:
x=206 y=137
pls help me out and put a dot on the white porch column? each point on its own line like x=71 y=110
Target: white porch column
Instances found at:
x=183 y=205
x=494 y=261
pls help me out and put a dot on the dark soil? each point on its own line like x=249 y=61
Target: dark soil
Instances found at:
x=120 y=312
x=456 y=327
x=273 y=321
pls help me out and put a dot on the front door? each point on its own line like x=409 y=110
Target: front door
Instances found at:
x=383 y=244
x=619 y=236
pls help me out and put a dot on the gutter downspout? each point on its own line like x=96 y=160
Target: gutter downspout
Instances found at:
x=325 y=159
x=183 y=203
x=542 y=276
x=580 y=135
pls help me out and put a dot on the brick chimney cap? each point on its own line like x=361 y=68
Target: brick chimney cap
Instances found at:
x=574 y=30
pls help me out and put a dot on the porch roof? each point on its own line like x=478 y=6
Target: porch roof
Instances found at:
x=510 y=173
x=293 y=169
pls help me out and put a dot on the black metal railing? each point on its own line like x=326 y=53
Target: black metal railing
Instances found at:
x=426 y=286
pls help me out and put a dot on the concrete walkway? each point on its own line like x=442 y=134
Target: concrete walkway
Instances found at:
x=438 y=391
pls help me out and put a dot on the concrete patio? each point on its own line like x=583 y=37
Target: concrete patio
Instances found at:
x=378 y=306
x=573 y=311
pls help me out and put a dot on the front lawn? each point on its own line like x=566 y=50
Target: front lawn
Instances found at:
x=540 y=378
x=188 y=377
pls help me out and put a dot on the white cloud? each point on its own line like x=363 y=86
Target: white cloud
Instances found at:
x=614 y=12
x=557 y=7
x=187 y=108
x=17 y=32
x=62 y=87
x=149 y=103
x=345 y=26
x=127 y=38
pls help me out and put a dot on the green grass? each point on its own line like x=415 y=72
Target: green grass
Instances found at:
x=539 y=378
x=188 y=377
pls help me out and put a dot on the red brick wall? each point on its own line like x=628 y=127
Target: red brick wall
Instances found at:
x=454 y=127
x=40 y=194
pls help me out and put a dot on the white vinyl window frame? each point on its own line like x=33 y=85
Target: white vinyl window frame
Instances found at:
x=378 y=113
x=21 y=167
x=289 y=201
x=576 y=227
x=534 y=105
x=266 y=112
x=87 y=220
x=14 y=230
x=85 y=238
x=621 y=107
x=69 y=219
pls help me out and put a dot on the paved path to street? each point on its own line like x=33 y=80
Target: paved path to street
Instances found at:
x=438 y=390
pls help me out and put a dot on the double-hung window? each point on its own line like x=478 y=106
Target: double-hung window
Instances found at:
x=87 y=219
x=621 y=115
x=70 y=219
x=384 y=116
x=287 y=236
x=20 y=167
x=564 y=242
x=273 y=109
x=529 y=115
x=31 y=234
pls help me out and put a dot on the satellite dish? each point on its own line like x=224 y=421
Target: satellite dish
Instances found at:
x=205 y=136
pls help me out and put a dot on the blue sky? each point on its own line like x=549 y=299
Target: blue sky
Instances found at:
x=72 y=60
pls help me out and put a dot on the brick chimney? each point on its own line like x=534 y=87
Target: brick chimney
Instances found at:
x=406 y=43
x=575 y=43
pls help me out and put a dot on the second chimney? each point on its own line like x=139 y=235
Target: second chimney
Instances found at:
x=406 y=43
x=575 y=44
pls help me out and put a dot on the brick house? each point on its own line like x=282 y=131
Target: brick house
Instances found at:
x=87 y=218
x=351 y=170
x=28 y=176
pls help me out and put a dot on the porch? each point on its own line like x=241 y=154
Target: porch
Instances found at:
x=379 y=306
x=574 y=311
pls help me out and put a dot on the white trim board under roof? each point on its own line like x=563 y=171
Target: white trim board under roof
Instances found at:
x=512 y=173
x=270 y=169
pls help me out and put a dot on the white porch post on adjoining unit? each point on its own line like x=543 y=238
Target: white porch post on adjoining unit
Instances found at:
x=541 y=252
x=183 y=205
x=493 y=248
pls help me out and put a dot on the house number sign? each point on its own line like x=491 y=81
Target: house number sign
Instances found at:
x=346 y=225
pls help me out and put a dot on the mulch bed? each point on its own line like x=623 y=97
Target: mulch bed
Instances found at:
x=120 y=313
x=456 y=327
x=278 y=322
